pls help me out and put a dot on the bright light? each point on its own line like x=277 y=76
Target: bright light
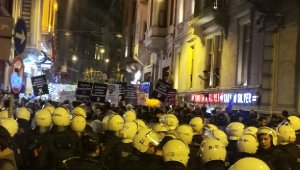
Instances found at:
x=119 y=35
x=102 y=50
x=55 y=6
x=137 y=76
x=126 y=51
x=68 y=34
x=74 y=58
x=107 y=60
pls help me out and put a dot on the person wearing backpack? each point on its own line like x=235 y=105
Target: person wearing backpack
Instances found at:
x=61 y=143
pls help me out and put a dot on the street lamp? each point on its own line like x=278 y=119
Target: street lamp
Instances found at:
x=102 y=50
x=74 y=58
x=107 y=60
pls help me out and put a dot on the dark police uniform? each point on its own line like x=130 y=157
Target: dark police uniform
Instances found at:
x=294 y=155
x=275 y=158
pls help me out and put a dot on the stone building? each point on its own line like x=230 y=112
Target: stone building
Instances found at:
x=244 y=52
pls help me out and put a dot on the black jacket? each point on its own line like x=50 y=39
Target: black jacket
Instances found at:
x=274 y=157
x=109 y=155
x=173 y=165
x=214 y=165
x=294 y=155
x=84 y=163
x=145 y=162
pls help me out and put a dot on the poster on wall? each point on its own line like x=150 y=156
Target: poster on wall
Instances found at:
x=39 y=85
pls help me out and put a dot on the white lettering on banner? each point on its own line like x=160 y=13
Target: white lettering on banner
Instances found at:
x=238 y=98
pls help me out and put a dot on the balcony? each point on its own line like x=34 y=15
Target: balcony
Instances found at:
x=155 y=39
x=209 y=14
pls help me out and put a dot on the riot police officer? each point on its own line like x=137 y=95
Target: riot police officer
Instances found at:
x=234 y=130
x=268 y=152
x=286 y=139
x=24 y=135
x=61 y=143
x=249 y=163
x=112 y=123
x=149 y=156
x=8 y=146
x=213 y=154
x=89 y=160
x=176 y=155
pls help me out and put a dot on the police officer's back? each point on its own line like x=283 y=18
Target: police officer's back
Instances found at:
x=8 y=147
x=294 y=122
x=145 y=142
x=213 y=154
x=176 y=155
x=112 y=124
x=89 y=160
x=24 y=135
x=286 y=138
x=61 y=143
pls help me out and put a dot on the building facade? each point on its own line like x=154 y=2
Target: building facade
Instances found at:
x=40 y=18
x=217 y=52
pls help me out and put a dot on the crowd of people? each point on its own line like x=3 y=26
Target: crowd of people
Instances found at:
x=99 y=136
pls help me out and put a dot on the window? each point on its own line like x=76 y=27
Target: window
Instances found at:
x=180 y=11
x=243 y=54
x=171 y=11
x=211 y=74
x=192 y=7
x=165 y=73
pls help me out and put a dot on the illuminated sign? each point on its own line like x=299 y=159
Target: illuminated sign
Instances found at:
x=238 y=98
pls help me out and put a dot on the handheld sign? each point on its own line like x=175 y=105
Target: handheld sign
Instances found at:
x=39 y=84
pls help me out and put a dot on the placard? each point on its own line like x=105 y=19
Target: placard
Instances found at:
x=83 y=90
x=99 y=92
x=39 y=85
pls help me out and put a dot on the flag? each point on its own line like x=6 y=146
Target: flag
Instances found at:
x=228 y=109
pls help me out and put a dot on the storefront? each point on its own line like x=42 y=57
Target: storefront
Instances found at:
x=244 y=99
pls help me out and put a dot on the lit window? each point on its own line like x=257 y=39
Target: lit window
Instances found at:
x=243 y=54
